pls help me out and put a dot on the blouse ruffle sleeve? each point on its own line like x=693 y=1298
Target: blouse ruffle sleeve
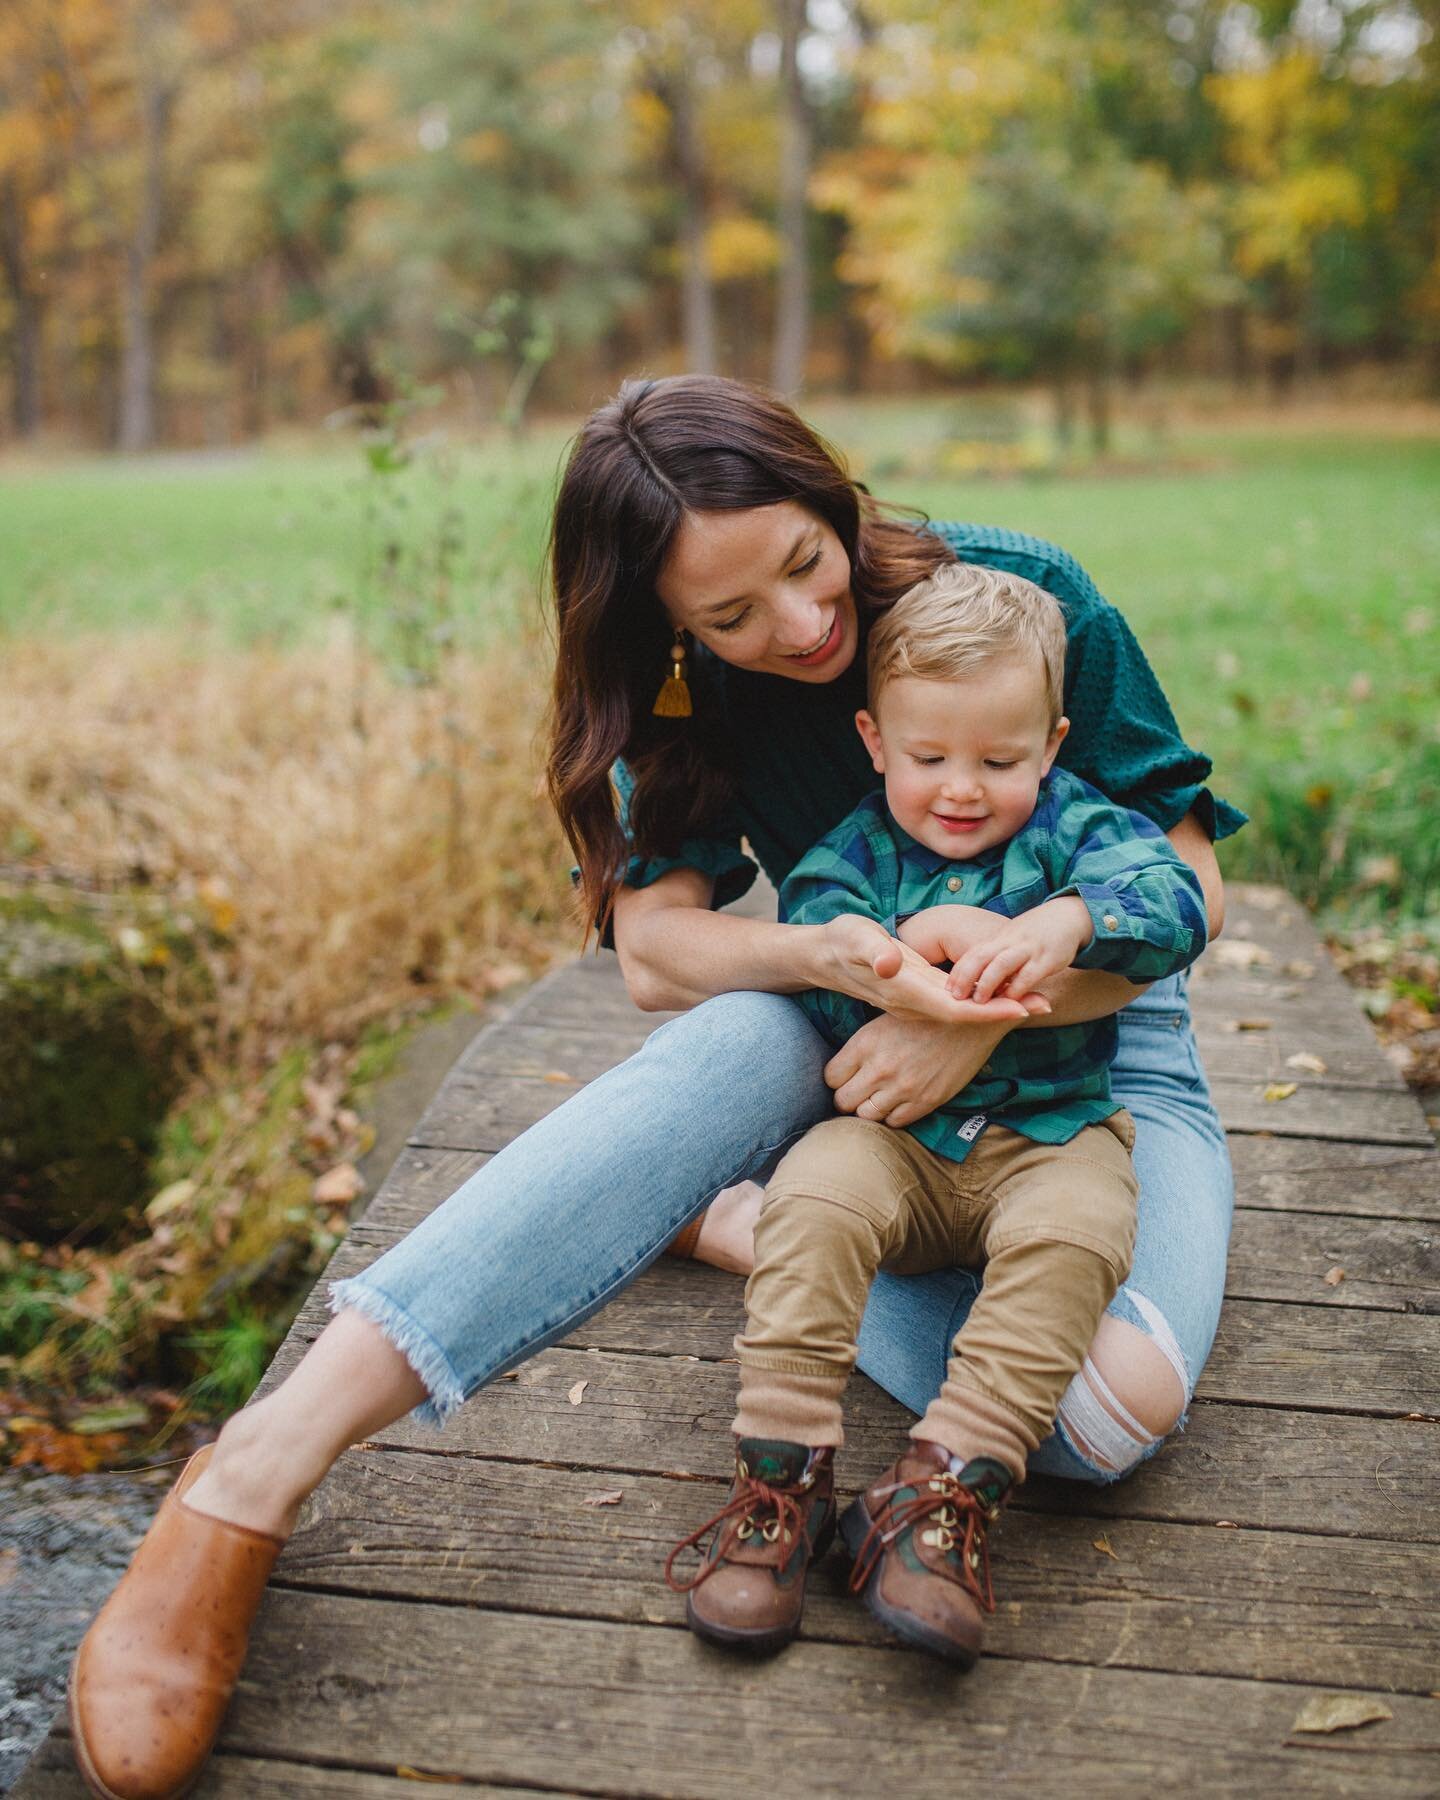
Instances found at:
x=720 y=857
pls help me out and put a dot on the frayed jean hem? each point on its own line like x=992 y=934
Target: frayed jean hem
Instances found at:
x=430 y=1363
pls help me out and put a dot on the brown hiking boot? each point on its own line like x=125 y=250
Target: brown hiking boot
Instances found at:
x=749 y=1591
x=918 y=1541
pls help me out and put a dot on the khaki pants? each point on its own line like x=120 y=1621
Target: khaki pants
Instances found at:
x=1054 y=1225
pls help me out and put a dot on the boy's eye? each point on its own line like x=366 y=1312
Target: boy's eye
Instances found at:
x=928 y=762
x=992 y=763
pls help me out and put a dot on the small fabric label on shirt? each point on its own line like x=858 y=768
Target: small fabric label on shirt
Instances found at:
x=973 y=1126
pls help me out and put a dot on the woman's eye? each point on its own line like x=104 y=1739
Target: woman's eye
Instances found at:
x=729 y=624
x=805 y=567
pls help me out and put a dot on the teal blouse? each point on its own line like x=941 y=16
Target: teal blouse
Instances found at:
x=801 y=765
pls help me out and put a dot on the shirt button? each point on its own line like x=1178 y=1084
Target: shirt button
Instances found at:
x=954 y=884
x=1110 y=922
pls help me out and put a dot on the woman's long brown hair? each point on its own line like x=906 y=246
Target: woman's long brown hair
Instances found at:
x=658 y=450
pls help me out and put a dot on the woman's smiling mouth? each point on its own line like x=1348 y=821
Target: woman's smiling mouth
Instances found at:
x=824 y=649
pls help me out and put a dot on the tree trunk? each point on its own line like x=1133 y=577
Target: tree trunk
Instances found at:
x=1097 y=408
x=25 y=305
x=792 y=315
x=697 y=291
x=137 y=338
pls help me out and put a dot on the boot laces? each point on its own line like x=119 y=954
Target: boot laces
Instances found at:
x=954 y=1520
x=755 y=1509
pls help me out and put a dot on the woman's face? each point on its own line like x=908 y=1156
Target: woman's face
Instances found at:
x=765 y=588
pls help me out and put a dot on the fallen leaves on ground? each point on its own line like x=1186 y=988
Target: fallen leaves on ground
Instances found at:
x=1102 y=1544
x=1333 y=1277
x=339 y=1186
x=1239 y=953
x=1312 y=1065
x=612 y=1498
x=577 y=1393
x=1340 y=1712
x=1248 y=1025
x=1280 y=1090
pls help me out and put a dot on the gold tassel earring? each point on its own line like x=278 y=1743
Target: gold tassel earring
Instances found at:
x=673 y=700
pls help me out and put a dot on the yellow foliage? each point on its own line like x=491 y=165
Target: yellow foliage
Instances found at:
x=1280 y=221
x=483 y=148
x=738 y=246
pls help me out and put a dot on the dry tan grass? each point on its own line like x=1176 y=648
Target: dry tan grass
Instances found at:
x=356 y=843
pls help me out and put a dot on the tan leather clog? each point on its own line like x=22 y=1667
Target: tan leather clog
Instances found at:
x=154 y=1674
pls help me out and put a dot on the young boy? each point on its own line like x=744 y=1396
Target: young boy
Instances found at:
x=982 y=854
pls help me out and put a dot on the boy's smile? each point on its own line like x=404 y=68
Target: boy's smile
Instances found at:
x=963 y=759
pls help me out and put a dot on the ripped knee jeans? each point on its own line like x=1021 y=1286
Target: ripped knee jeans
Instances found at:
x=1135 y=1385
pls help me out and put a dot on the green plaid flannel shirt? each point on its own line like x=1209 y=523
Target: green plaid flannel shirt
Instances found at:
x=1144 y=901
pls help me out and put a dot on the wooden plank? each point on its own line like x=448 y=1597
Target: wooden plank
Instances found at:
x=1265 y=1605
x=1324 y=1357
x=1305 y=1175
x=1268 y=1466
x=1317 y=1176
x=601 y=1708
x=51 y=1775
x=1321 y=1110
x=1388 y=1265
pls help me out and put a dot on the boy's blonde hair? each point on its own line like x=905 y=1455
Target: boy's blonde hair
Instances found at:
x=962 y=617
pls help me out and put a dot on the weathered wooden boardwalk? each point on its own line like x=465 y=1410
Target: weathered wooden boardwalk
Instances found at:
x=453 y=1610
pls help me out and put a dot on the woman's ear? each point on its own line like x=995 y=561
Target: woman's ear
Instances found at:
x=1056 y=739
x=870 y=733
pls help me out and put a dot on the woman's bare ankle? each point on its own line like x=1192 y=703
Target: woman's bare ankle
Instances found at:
x=727 y=1230
x=252 y=1479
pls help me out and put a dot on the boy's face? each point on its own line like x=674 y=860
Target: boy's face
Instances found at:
x=963 y=759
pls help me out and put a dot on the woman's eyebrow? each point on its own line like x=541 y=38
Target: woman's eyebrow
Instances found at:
x=719 y=606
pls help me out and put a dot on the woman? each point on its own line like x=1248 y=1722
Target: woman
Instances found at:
x=702 y=528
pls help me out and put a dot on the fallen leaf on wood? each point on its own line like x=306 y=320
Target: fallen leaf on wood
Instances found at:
x=1339 y=1712
x=1227 y=1525
x=406 y=1773
x=1333 y=1277
x=1312 y=1065
x=1239 y=953
x=1248 y=1025
x=339 y=1186
x=1102 y=1544
x=577 y=1393
x=556 y=1075
x=613 y=1498
x=1280 y=1090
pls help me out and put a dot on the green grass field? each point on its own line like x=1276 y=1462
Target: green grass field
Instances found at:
x=1285 y=587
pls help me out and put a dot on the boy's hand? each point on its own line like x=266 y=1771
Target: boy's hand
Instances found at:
x=1024 y=952
x=864 y=961
x=946 y=933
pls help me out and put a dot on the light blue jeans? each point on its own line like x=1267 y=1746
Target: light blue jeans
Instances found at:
x=570 y=1212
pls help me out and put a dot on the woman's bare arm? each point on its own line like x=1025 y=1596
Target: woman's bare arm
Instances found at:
x=674 y=953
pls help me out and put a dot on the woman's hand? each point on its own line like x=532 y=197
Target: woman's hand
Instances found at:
x=865 y=962
x=897 y=1070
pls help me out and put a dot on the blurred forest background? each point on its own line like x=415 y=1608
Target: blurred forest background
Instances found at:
x=221 y=216
x=300 y=304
